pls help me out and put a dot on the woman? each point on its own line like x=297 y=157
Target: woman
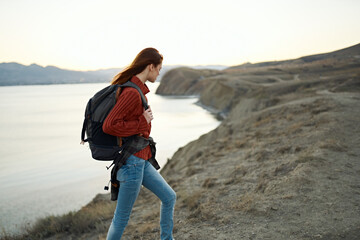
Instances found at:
x=129 y=118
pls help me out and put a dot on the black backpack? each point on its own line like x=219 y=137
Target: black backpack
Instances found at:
x=103 y=146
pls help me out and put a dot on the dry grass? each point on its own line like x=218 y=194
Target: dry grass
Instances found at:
x=284 y=169
x=262 y=155
x=90 y=218
x=242 y=143
x=263 y=181
x=283 y=149
x=236 y=175
x=205 y=211
x=192 y=171
x=246 y=203
x=289 y=117
x=295 y=128
x=308 y=158
x=198 y=206
x=334 y=145
x=287 y=196
x=146 y=227
x=262 y=121
x=209 y=182
x=191 y=202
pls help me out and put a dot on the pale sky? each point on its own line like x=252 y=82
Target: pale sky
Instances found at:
x=95 y=34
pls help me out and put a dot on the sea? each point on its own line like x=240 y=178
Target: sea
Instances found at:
x=43 y=168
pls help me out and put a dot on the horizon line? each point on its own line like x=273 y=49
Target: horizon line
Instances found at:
x=189 y=65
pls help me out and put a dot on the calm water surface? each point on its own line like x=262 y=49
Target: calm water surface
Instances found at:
x=43 y=168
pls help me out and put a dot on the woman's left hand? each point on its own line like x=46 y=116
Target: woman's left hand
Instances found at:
x=148 y=115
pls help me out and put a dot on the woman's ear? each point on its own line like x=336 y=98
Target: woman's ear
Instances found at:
x=151 y=67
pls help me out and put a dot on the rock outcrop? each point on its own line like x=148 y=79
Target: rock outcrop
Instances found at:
x=184 y=81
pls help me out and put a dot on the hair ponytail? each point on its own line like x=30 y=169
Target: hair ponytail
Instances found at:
x=142 y=60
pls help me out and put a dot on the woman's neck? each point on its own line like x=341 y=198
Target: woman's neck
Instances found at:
x=142 y=76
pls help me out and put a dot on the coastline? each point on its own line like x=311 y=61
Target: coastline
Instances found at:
x=44 y=173
x=283 y=163
x=218 y=114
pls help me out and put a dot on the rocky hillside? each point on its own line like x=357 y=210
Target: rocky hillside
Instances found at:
x=220 y=91
x=283 y=164
x=184 y=81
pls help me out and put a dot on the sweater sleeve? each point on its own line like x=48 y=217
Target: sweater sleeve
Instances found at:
x=121 y=120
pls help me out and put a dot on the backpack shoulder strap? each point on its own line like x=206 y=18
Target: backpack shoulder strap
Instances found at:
x=133 y=85
x=83 y=140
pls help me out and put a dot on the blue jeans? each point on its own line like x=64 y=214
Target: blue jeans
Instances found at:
x=131 y=176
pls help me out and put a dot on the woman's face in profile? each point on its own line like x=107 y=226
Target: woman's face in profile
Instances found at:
x=154 y=72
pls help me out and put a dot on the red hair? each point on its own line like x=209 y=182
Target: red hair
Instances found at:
x=142 y=60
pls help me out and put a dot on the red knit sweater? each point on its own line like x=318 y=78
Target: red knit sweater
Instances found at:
x=126 y=118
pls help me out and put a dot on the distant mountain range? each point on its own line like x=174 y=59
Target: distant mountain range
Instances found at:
x=13 y=73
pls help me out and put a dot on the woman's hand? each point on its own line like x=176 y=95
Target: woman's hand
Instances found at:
x=148 y=115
